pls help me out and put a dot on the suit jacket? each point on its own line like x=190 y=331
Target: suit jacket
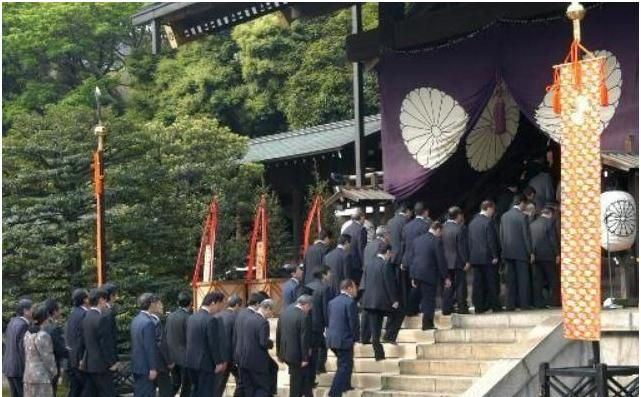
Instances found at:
x=545 y=242
x=177 y=336
x=293 y=336
x=313 y=260
x=227 y=319
x=381 y=291
x=516 y=242
x=110 y=313
x=291 y=291
x=369 y=256
x=429 y=265
x=13 y=362
x=339 y=262
x=99 y=352
x=145 y=353
x=251 y=342
x=414 y=228
x=60 y=351
x=357 y=245
x=482 y=240
x=163 y=345
x=395 y=228
x=74 y=335
x=343 y=329
x=545 y=191
x=203 y=341
x=503 y=204
x=321 y=294
x=455 y=244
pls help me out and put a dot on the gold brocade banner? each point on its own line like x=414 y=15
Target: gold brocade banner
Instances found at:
x=580 y=199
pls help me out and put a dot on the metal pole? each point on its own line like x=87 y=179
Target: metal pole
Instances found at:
x=357 y=27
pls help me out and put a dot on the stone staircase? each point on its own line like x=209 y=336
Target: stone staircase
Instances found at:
x=438 y=363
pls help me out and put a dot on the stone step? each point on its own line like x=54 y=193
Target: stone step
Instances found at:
x=367 y=365
x=520 y=319
x=480 y=335
x=464 y=351
x=427 y=383
x=398 y=393
x=415 y=336
x=359 y=380
x=405 y=350
x=444 y=367
x=416 y=322
x=318 y=392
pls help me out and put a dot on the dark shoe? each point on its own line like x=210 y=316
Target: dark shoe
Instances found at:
x=427 y=325
x=367 y=342
x=446 y=313
x=464 y=311
x=391 y=342
x=321 y=370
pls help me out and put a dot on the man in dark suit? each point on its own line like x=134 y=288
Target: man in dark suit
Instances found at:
x=57 y=338
x=395 y=227
x=315 y=255
x=204 y=357
x=13 y=362
x=99 y=360
x=381 y=295
x=428 y=269
x=455 y=244
x=145 y=354
x=342 y=332
x=258 y=371
x=516 y=249
x=369 y=257
x=177 y=343
x=339 y=262
x=542 y=183
x=164 y=380
x=545 y=244
x=292 y=288
x=505 y=199
x=227 y=319
x=80 y=301
x=484 y=257
x=321 y=295
x=293 y=346
x=420 y=225
x=110 y=311
x=358 y=240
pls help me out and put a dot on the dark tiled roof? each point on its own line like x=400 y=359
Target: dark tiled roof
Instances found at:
x=307 y=141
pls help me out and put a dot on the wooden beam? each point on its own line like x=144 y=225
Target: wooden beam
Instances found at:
x=359 y=130
x=442 y=25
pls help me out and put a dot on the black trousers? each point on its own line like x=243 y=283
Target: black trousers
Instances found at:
x=366 y=329
x=143 y=387
x=393 y=326
x=428 y=303
x=76 y=382
x=405 y=288
x=164 y=383
x=457 y=293
x=321 y=353
x=253 y=384
x=376 y=325
x=15 y=387
x=485 y=288
x=181 y=380
x=300 y=380
x=99 y=385
x=413 y=306
x=343 y=377
x=545 y=272
x=518 y=284
x=223 y=378
x=203 y=383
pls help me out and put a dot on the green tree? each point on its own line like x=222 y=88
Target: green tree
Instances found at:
x=50 y=49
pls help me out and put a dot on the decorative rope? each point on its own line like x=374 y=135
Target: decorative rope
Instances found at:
x=314 y=212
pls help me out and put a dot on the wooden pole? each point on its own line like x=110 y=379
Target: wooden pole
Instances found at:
x=359 y=135
x=99 y=179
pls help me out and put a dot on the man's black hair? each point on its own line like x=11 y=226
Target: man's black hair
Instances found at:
x=78 y=297
x=184 y=299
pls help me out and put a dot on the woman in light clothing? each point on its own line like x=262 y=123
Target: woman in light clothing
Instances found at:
x=40 y=363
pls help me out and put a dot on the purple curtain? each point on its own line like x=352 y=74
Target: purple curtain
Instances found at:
x=427 y=134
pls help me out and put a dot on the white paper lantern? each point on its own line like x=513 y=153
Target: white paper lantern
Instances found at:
x=618 y=220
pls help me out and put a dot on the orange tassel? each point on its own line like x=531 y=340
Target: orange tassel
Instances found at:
x=605 y=100
x=574 y=50
x=556 y=99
